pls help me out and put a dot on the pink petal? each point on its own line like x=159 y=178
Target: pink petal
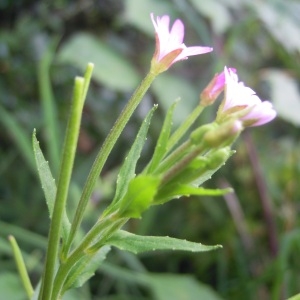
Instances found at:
x=195 y=50
x=168 y=41
x=262 y=112
x=177 y=32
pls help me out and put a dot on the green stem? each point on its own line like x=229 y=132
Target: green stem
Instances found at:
x=87 y=80
x=62 y=188
x=105 y=227
x=184 y=127
x=104 y=153
x=173 y=157
x=181 y=164
x=21 y=266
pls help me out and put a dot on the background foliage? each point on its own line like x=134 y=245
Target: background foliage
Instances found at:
x=44 y=44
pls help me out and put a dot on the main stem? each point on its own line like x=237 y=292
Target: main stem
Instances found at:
x=62 y=189
x=106 y=227
x=104 y=153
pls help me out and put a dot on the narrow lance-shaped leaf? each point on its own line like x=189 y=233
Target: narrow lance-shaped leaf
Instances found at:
x=177 y=190
x=127 y=171
x=138 y=244
x=161 y=146
x=48 y=182
x=85 y=268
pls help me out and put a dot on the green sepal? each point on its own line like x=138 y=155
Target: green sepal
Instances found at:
x=177 y=190
x=85 y=268
x=127 y=171
x=215 y=161
x=48 y=183
x=139 y=197
x=196 y=136
x=138 y=244
x=162 y=142
x=202 y=168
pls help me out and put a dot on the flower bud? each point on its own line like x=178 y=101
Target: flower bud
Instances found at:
x=225 y=134
x=218 y=158
x=197 y=135
x=214 y=88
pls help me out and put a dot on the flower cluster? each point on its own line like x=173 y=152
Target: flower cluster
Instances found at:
x=238 y=99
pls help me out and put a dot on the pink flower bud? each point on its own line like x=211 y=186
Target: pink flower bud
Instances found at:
x=214 y=88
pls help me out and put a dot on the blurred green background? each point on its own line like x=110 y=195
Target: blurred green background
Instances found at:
x=44 y=44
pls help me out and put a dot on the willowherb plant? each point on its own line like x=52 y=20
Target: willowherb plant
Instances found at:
x=177 y=168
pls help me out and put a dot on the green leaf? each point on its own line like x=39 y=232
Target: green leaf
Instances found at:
x=112 y=69
x=178 y=287
x=176 y=190
x=48 y=183
x=137 y=243
x=85 y=269
x=161 y=146
x=140 y=194
x=127 y=171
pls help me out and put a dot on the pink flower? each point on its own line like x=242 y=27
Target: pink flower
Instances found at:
x=244 y=101
x=169 y=43
x=214 y=88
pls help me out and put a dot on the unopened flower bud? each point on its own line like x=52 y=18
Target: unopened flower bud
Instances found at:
x=197 y=135
x=218 y=158
x=225 y=134
x=214 y=89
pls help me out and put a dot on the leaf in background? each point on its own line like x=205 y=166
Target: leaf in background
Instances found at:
x=178 y=287
x=49 y=105
x=296 y=297
x=168 y=88
x=217 y=12
x=161 y=145
x=139 y=196
x=163 y=286
x=284 y=94
x=127 y=171
x=137 y=244
x=177 y=190
x=280 y=24
x=48 y=183
x=136 y=12
x=85 y=269
x=111 y=68
x=19 y=135
x=11 y=286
